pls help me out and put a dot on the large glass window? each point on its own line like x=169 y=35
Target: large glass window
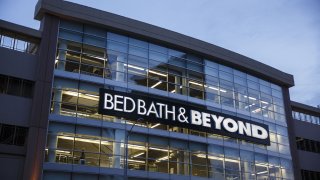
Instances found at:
x=16 y=86
x=97 y=54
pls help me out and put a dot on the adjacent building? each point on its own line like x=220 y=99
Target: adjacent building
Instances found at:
x=94 y=95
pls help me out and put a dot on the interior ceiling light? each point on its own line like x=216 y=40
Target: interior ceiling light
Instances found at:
x=156 y=84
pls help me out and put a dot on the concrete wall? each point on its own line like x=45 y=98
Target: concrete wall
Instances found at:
x=11 y=167
x=309 y=160
x=18 y=64
x=306 y=130
x=15 y=110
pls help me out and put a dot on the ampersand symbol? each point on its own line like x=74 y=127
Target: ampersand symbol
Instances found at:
x=181 y=116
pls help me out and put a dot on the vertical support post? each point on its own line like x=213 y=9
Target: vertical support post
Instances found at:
x=52 y=145
x=62 y=55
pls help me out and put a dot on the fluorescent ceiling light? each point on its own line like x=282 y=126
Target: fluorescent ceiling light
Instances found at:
x=132 y=146
x=158 y=149
x=214 y=88
x=156 y=125
x=250 y=97
x=163 y=158
x=82 y=95
x=134 y=67
x=139 y=154
x=217 y=158
x=262 y=172
x=222 y=90
x=195 y=83
x=156 y=84
x=157 y=73
x=132 y=160
x=96 y=57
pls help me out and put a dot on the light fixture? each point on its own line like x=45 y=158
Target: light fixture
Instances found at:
x=82 y=95
x=214 y=88
x=133 y=146
x=85 y=140
x=156 y=125
x=96 y=57
x=250 y=97
x=139 y=154
x=157 y=73
x=136 y=161
x=158 y=149
x=134 y=67
x=195 y=83
x=163 y=158
x=156 y=84
x=262 y=172
x=217 y=158
x=65 y=152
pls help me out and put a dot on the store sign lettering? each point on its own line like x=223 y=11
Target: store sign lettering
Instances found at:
x=191 y=116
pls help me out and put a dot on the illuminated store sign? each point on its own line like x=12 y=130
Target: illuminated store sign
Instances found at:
x=176 y=113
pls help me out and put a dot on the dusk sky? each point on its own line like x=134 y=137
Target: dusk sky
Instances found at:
x=284 y=34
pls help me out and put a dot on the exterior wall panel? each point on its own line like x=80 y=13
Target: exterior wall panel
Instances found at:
x=15 y=110
x=24 y=64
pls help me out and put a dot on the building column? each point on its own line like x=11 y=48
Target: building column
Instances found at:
x=118 y=150
x=184 y=84
x=177 y=80
x=120 y=69
x=52 y=145
x=57 y=100
x=246 y=166
x=187 y=162
x=62 y=55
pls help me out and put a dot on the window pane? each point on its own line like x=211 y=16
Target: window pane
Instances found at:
x=7 y=134
x=3 y=83
x=14 y=86
x=27 y=88
x=21 y=136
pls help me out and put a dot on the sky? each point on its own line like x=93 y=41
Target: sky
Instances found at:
x=284 y=34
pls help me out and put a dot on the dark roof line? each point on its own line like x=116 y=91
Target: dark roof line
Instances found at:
x=300 y=106
x=33 y=33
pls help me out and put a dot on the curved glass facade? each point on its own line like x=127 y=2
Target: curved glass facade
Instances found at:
x=89 y=58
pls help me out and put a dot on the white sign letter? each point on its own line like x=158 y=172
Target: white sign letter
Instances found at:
x=217 y=120
x=259 y=132
x=196 y=117
x=108 y=104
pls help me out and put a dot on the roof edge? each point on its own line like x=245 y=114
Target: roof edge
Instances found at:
x=297 y=105
x=20 y=29
x=156 y=34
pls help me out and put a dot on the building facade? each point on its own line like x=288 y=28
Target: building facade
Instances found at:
x=53 y=126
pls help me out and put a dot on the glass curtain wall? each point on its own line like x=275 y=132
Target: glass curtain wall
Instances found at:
x=89 y=53
x=104 y=147
x=97 y=52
